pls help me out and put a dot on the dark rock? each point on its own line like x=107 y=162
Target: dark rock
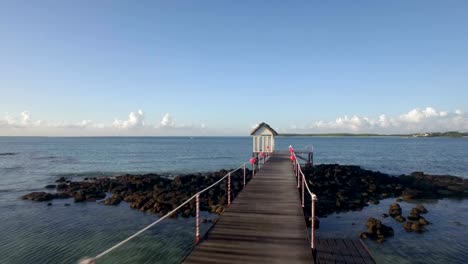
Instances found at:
x=413 y=217
x=49 y=204
x=62 y=196
x=399 y=218
x=417 y=227
x=384 y=215
x=62 y=186
x=394 y=210
x=378 y=231
x=421 y=209
x=61 y=179
x=423 y=221
x=39 y=196
x=413 y=227
x=407 y=226
x=79 y=197
x=50 y=186
x=114 y=200
x=409 y=194
x=67 y=204
x=187 y=213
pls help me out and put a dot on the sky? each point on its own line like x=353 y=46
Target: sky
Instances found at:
x=131 y=68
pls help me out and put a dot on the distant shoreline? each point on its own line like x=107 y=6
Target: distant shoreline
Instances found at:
x=415 y=135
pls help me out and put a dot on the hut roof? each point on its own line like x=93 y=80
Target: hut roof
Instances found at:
x=263 y=124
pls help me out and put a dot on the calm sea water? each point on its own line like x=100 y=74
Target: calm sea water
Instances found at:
x=36 y=233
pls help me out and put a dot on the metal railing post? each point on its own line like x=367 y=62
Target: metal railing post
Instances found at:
x=298 y=174
x=229 y=189
x=303 y=181
x=312 y=231
x=197 y=220
x=244 y=175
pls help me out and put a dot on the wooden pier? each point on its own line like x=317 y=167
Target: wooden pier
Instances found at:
x=265 y=224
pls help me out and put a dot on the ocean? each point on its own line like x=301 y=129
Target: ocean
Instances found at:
x=32 y=232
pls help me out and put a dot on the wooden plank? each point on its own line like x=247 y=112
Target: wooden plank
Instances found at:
x=354 y=253
x=366 y=257
x=337 y=253
x=264 y=224
x=343 y=251
x=324 y=253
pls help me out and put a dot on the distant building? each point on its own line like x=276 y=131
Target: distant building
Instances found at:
x=263 y=138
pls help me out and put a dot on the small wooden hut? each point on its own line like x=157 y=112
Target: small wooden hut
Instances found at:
x=263 y=138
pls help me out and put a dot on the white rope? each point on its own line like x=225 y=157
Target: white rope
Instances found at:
x=312 y=195
x=93 y=260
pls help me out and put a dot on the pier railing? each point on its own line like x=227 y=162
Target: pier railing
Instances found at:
x=302 y=185
x=257 y=163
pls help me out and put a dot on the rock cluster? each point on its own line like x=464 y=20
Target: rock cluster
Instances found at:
x=420 y=185
x=150 y=192
x=344 y=188
x=395 y=212
x=376 y=230
x=43 y=196
x=416 y=222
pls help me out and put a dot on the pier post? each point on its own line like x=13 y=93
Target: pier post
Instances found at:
x=298 y=175
x=197 y=220
x=303 y=180
x=229 y=189
x=312 y=215
x=244 y=175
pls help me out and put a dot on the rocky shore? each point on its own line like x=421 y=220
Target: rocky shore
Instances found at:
x=149 y=192
x=347 y=188
x=344 y=188
x=339 y=189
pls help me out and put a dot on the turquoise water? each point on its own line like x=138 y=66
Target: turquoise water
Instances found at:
x=35 y=233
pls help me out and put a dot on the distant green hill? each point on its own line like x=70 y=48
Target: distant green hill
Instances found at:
x=442 y=134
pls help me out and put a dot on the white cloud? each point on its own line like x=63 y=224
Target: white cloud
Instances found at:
x=415 y=120
x=26 y=117
x=135 y=124
x=135 y=120
x=167 y=121
x=23 y=121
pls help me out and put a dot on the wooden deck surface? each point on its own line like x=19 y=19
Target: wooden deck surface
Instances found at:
x=331 y=251
x=264 y=224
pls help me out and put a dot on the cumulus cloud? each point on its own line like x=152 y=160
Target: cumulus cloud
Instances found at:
x=135 y=120
x=23 y=121
x=135 y=124
x=167 y=121
x=415 y=120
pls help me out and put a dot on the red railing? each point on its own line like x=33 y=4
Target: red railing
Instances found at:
x=301 y=178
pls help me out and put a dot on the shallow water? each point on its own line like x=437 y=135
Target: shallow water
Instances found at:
x=445 y=240
x=35 y=233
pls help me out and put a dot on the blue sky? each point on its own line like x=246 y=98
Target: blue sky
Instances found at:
x=220 y=67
